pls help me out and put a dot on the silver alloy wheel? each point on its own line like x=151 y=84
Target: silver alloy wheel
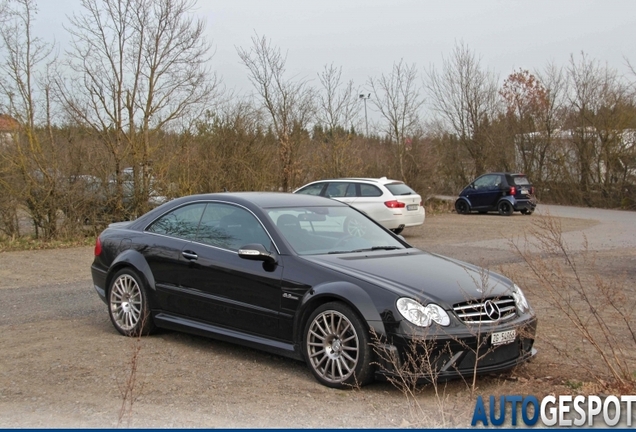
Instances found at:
x=126 y=302
x=333 y=346
x=355 y=228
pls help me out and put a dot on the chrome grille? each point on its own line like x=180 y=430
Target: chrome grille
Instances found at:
x=482 y=311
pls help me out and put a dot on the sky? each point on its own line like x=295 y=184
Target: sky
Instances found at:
x=366 y=37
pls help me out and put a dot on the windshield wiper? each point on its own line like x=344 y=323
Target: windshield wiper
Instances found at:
x=374 y=248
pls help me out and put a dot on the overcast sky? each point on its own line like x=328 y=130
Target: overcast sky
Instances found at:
x=366 y=37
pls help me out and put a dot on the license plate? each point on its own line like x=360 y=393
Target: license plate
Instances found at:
x=524 y=191
x=504 y=337
x=412 y=207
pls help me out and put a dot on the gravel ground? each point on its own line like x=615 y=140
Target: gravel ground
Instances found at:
x=62 y=364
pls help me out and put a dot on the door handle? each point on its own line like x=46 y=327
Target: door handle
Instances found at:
x=189 y=255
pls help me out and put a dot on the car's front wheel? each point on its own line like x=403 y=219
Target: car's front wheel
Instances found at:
x=337 y=347
x=397 y=231
x=461 y=206
x=128 y=304
x=505 y=208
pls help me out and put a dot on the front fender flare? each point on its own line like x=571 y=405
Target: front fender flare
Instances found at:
x=351 y=294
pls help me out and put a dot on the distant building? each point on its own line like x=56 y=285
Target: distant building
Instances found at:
x=8 y=126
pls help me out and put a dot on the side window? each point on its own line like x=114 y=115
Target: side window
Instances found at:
x=336 y=190
x=486 y=182
x=367 y=190
x=230 y=227
x=182 y=222
x=351 y=190
x=313 y=189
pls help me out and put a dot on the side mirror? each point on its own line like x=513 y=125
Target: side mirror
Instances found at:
x=256 y=252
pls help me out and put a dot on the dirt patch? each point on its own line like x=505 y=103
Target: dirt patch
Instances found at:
x=51 y=266
x=63 y=365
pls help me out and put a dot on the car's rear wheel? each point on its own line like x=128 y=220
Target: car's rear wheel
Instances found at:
x=128 y=304
x=526 y=212
x=354 y=227
x=397 y=231
x=461 y=206
x=505 y=208
x=337 y=347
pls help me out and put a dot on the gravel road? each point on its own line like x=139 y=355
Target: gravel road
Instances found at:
x=63 y=365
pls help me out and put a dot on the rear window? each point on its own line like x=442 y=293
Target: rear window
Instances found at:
x=521 y=180
x=400 y=189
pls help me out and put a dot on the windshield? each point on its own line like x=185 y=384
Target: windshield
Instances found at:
x=521 y=180
x=400 y=189
x=330 y=230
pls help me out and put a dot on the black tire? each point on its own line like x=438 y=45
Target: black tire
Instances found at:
x=128 y=304
x=526 y=212
x=482 y=212
x=462 y=207
x=505 y=208
x=337 y=347
x=397 y=231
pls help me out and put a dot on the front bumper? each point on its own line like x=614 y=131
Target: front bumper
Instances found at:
x=447 y=357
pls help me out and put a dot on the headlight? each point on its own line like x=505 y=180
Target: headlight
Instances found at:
x=422 y=316
x=520 y=299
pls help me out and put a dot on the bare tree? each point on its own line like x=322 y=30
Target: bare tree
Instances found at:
x=139 y=67
x=398 y=99
x=466 y=98
x=601 y=111
x=337 y=117
x=526 y=101
x=22 y=93
x=288 y=102
x=547 y=151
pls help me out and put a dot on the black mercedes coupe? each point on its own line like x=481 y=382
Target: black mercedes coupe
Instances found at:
x=281 y=273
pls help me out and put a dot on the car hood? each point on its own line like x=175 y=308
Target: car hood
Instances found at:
x=418 y=274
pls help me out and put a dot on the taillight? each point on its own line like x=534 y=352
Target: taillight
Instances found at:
x=532 y=190
x=513 y=191
x=394 y=204
x=98 y=247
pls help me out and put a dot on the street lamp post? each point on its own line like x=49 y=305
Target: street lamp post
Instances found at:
x=366 y=121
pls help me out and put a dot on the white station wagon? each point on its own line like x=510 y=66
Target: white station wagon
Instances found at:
x=390 y=202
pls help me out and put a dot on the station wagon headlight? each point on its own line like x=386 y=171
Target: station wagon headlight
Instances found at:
x=422 y=316
x=520 y=299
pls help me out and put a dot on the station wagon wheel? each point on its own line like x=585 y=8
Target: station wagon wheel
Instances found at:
x=461 y=207
x=337 y=347
x=505 y=208
x=354 y=227
x=128 y=304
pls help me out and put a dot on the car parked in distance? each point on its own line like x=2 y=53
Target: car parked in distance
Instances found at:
x=390 y=202
x=502 y=192
x=281 y=272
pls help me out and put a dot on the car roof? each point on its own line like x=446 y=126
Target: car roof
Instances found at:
x=266 y=199
x=503 y=173
x=381 y=180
